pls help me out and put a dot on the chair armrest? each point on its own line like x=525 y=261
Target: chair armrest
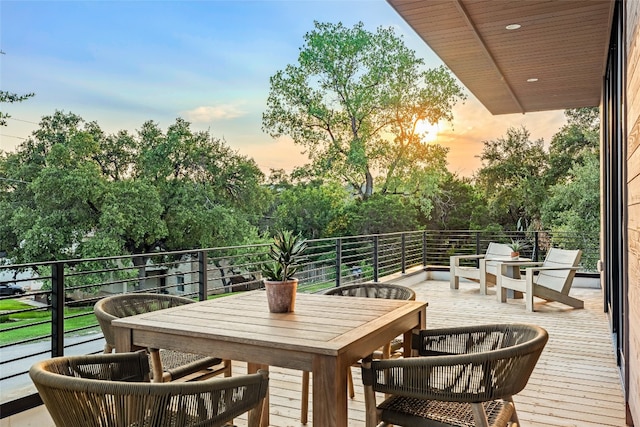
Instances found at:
x=454 y=260
x=467 y=256
x=535 y=271
x=520 y=263
x=500 y=266
x=552 y=268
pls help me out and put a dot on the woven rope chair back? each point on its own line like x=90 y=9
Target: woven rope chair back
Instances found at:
x=112 y=390
x=124 y=305
x=374 y=290
x=496 y=361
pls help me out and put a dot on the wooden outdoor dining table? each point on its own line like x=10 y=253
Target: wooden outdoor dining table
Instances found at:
x=325 y=335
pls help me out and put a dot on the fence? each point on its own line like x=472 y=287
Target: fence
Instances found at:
x=59 y=320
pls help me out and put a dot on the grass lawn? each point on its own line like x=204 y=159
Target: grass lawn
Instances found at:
x=319 y=287
x=24 y=322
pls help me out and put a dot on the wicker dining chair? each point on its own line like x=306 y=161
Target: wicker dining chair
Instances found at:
x=466 y=377
x=364 y=290
x=172 y=364
x=113 y=390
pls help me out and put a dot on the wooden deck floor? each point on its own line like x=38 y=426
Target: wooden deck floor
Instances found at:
x=575 y=382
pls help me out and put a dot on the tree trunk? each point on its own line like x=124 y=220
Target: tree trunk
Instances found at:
x=368 y=190
x=141 y=263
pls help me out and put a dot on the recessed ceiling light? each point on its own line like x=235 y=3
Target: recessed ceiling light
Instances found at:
x=532 y=80
x=513 y=26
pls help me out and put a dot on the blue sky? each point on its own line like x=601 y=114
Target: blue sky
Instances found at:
x=122 y=63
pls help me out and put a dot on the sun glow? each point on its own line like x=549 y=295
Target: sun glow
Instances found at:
x=427 y=131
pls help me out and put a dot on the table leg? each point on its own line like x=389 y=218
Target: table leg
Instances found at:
x=514 y=273
x=259 y=420
x=124 y=342
x=408 y=336
x=156 y=365
x=304 y=405
x=329 y=391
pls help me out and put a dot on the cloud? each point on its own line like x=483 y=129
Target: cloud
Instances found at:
x=206 y=113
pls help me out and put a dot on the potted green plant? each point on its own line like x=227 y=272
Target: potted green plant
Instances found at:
x=516 y=246
x=286 y=253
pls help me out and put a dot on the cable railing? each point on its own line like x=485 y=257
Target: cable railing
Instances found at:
x=55 y=316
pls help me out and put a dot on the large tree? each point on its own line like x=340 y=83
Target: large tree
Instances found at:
x=73 y=191
x=456 y=205
x=312 y=209
x=573 y=205
x=380 y=214
x=512 y=179
x=355 y=100
x=574 y=144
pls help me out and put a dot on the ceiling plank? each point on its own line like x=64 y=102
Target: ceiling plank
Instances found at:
x=487 y=52
x=561 y=43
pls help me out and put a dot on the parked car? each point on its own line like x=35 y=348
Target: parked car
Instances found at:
x=7 y=289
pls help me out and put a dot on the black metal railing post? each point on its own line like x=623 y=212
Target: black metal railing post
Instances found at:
x=424 y=248
x=375 y=259
x=202 y=275
x=403 y=256
x=536 y=245
x=477 y=233
x=338 y=262
x=57 y=309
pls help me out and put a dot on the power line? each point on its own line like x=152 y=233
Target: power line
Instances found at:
x=11 y=136
x=20 y=120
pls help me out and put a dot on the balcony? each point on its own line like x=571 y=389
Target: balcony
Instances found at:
x=575 y=383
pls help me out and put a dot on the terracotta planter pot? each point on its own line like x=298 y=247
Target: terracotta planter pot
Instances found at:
x=515 y=255
x=281 y=296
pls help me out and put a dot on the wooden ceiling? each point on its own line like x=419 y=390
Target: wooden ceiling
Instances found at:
x=562 y=43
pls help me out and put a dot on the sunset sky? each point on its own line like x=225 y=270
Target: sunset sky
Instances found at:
x=123 y=63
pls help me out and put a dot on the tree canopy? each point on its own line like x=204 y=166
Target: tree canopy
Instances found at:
x=574 y=143
x=511 y=178
x=354 y=101
x=73 y=191
x=529 y=188
x=574 y=205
